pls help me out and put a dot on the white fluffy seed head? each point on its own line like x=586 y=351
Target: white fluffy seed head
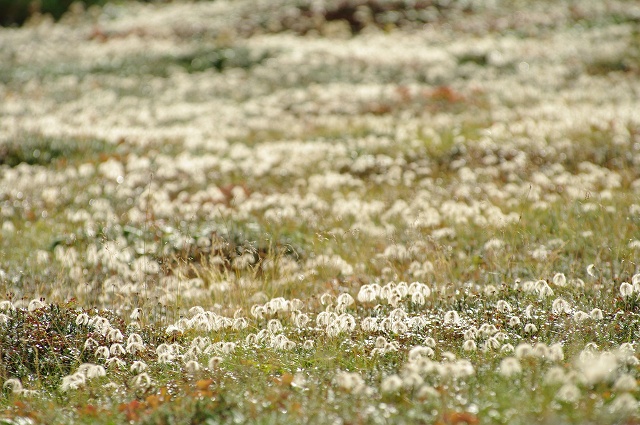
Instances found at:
x=626 y=289
x=192 y=366
x=14 y=384
x=142 y=381
x=491 y=344
x=117 y=349
x=559 y=279
x=368 y=293
x=369 y=324
x=72 y=382
x=580 y=316
x=507 y=348
x=430 y=342
x=556 y=353
x=6 y=305
x=102 y=352
x=625 y=382
x=469 y=345
x=625 y=403
x=514 y=321
x=503 y=306
x=274 y=326
x=214 y=362
x=555 y=375
x=138 y=367
x=418 y=299
x=135 y=314
x=596 y=314
x=391 y=384
x=569 y=393
x=560 y=305
x=82 y=319
x=451 y=317
x=350 y=381
x=541 y=350
x=35 y=304
x=510 y=366
x=114 y=335
x=524 y=350
x=345 y=300
x=420 y=352
x=380 y=342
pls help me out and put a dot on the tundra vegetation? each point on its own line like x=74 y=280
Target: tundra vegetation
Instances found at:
x=286 y=211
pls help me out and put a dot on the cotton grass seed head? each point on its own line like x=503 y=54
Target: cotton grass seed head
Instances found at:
x=420 y=352
x=117 y=349
x=524 y=350
x=555 y=353
x=192 y=366
x=35 y=304
x=430 y=342
x=102 y=352
x=580 y=316
x=596 y=314
x=82 y=319
x=469 y=345
x=115 y=363
x=138 y=366
x=560 y=305
x=142 y=381
x=391 y=384
x=451 y=317
x=7 y=306
x=503 y=306
x=507 y=348
x=214 y=362
x=14 y=384
x=350 y=381
x=624 y=403
x=626 y=290
x=72 y=382
x=555 y=376
x=559 y=279
x=510 y=366
x=596 y=367
x=625 y=382
x=569 y=393
x=514 y=321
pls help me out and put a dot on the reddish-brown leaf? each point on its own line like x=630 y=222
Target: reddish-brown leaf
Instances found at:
x=204 y=384
x=131 y=410
x=455 y=418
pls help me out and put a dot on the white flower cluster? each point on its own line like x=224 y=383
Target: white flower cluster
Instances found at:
x=86 y=371
x=394 y=293
x=274 y=306
x=206 y=321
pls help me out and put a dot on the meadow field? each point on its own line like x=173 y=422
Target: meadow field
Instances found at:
x=324 y=212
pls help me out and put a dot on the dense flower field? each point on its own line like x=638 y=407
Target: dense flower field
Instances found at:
x=286 y=211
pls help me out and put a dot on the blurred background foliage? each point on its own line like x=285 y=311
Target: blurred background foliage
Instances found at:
x=302 y=16
x=16 y=12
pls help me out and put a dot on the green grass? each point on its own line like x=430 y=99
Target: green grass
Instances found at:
x=35 y=149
